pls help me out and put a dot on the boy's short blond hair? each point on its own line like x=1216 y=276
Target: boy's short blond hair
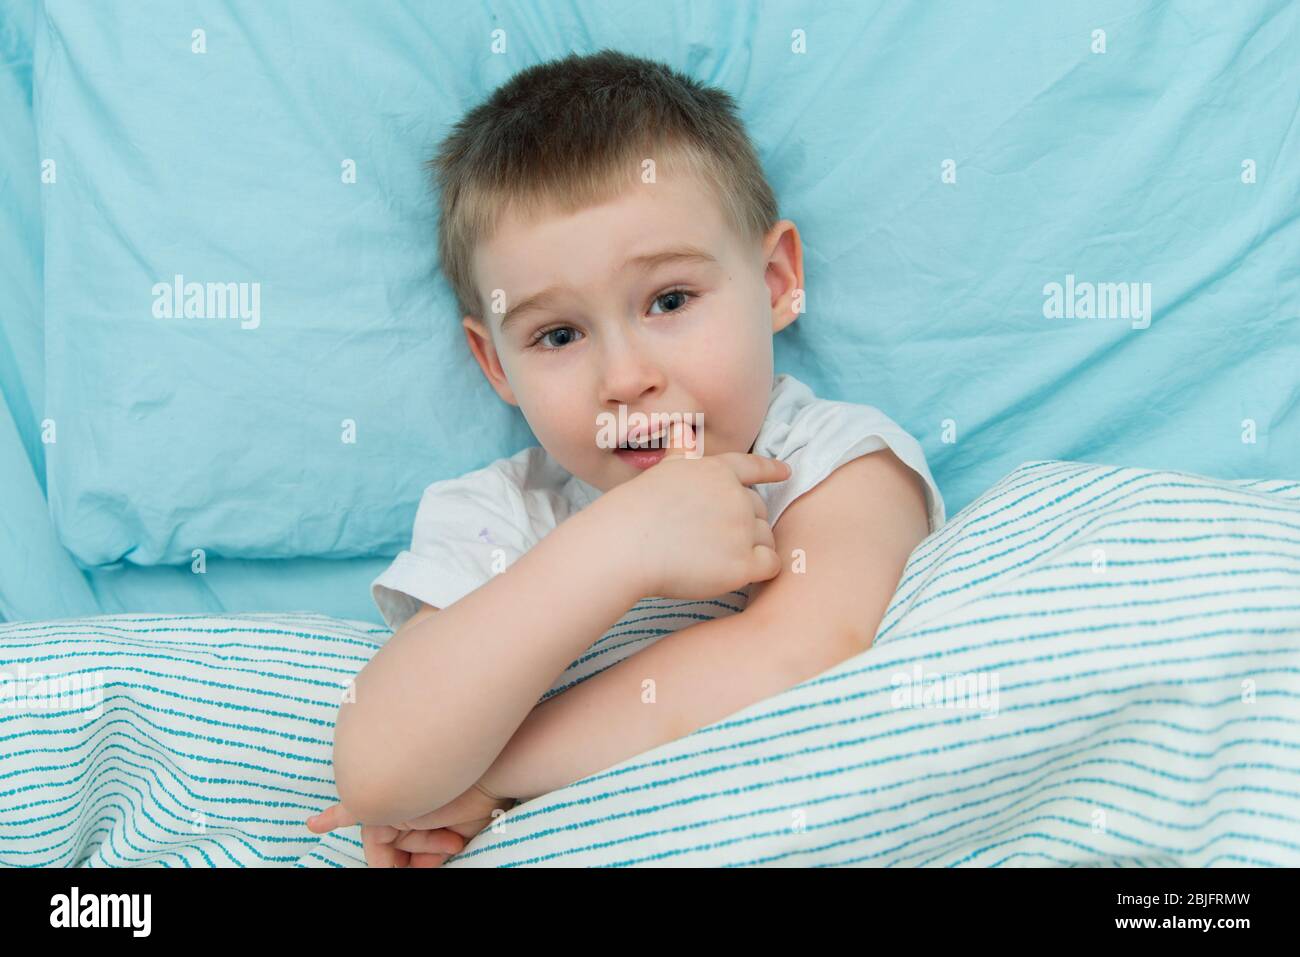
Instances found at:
x=575 y=132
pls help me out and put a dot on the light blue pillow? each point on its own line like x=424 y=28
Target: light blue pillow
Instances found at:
x=945 y=164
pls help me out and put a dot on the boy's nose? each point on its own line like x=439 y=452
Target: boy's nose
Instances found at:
x=628 y=374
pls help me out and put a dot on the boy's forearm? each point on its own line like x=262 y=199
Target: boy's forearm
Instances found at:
x=700 y=675
x=437 y=703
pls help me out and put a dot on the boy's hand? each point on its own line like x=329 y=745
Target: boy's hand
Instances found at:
x=425 y=841
x=378 y=841
x=697 y=528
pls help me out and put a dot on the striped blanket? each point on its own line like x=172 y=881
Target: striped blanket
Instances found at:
x=1088 y=665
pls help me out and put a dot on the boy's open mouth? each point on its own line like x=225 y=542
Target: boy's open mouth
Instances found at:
x=640 y=458
x=644 y=443
x=643 y=452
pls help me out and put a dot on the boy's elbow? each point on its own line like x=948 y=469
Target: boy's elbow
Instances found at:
x=366 y=791
x=374 y=800
x=376 y=786
x=359 y=774
x=350 y=780
x=358 y=799
x=372 y=771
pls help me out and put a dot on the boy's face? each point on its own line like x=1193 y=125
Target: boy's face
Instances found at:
x=679 y=335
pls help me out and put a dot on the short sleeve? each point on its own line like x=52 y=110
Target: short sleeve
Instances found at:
x=820 y=435
x=466 y=530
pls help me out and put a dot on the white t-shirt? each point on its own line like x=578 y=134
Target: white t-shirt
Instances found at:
x=469 y=528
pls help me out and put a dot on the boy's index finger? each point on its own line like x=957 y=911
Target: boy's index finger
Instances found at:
x=681 y=440
x=335 y=816
x=754 y=469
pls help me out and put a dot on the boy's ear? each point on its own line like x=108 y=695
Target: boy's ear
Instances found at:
x=479 y=338
x=783 y=271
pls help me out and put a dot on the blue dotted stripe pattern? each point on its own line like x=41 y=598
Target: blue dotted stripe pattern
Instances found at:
x=1087 y=666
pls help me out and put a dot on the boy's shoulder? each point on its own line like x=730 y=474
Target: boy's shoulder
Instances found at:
x=796 y=416
x=530 y=467
x=530 y=485
x=815 y=436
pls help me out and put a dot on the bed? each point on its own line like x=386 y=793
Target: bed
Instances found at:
x=1092 y=663
x=1088 y=666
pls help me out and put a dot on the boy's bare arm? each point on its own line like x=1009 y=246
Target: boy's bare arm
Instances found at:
x=856 y=529
x=440 y=699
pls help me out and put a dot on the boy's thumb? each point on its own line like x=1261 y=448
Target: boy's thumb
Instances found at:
x=681 y=440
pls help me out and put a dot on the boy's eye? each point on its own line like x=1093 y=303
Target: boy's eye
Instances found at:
x=542 y=338
x=682 y=296
x=545 y=334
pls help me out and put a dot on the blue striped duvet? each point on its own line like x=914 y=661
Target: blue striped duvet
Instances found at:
x=1086 y=666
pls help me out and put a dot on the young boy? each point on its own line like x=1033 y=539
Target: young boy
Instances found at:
x=616 y=253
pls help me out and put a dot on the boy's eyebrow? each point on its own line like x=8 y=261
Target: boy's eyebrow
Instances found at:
x=679 y=254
